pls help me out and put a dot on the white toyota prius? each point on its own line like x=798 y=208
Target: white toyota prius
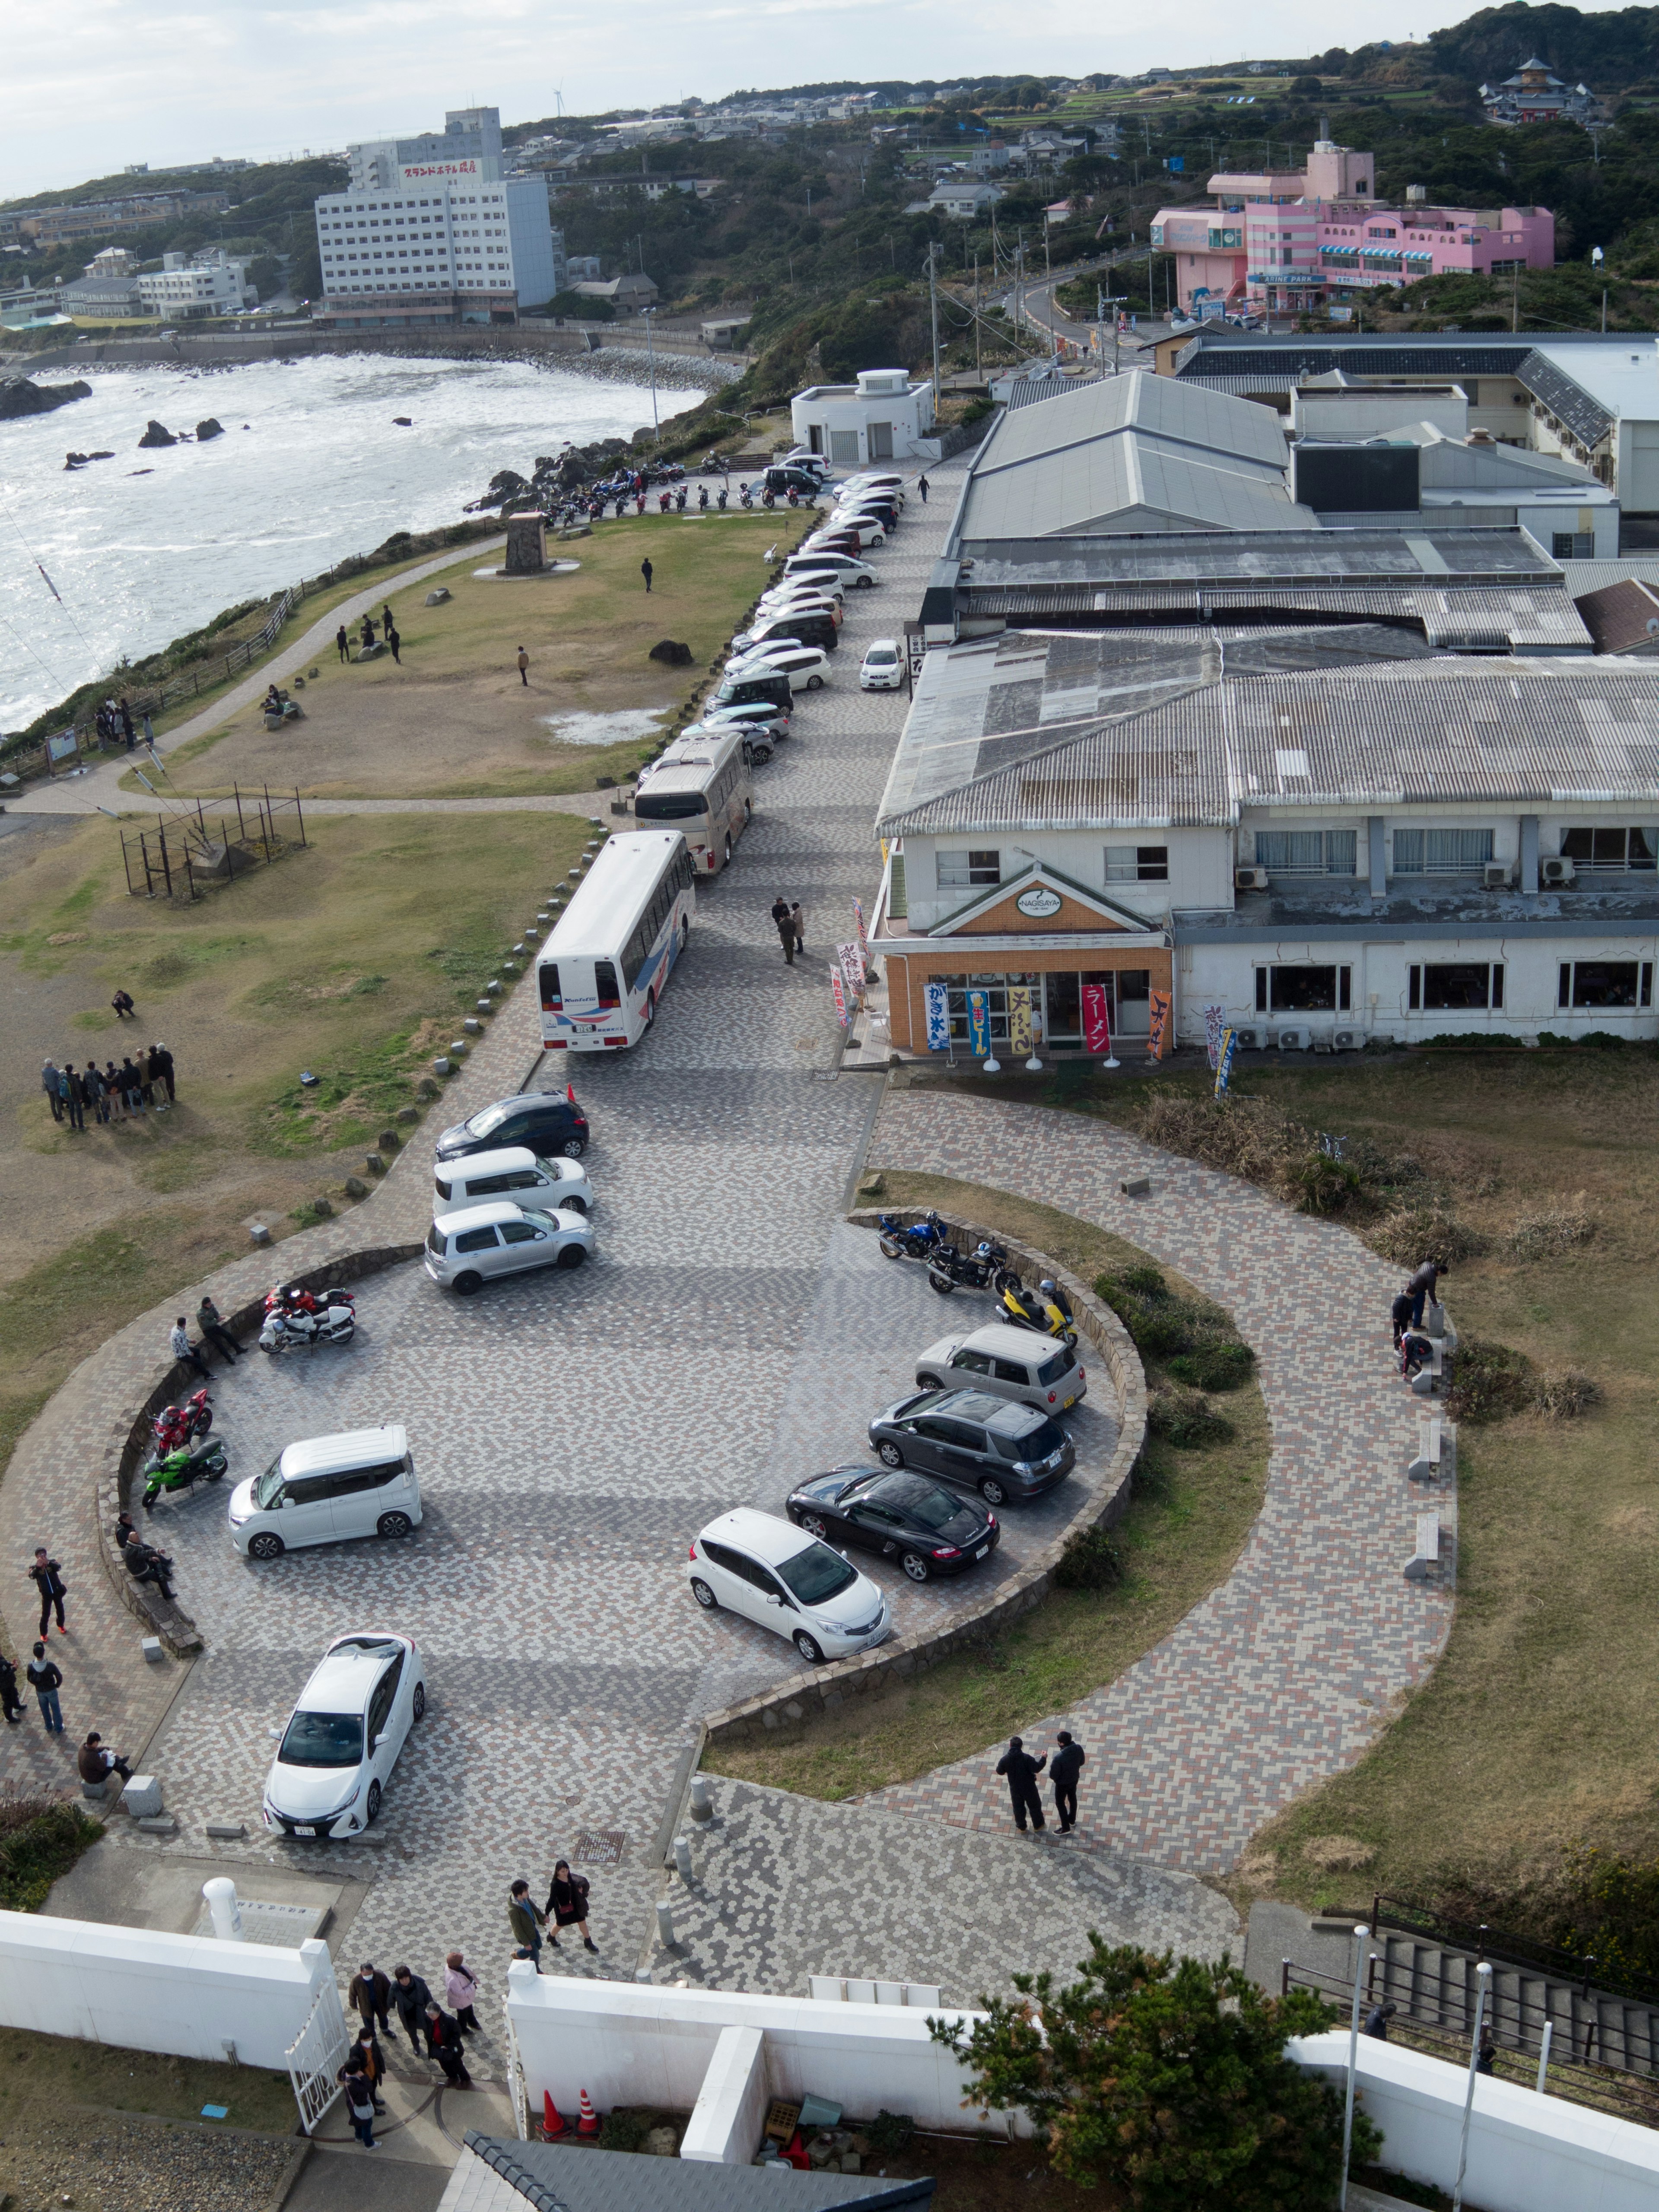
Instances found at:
x=344 y=1737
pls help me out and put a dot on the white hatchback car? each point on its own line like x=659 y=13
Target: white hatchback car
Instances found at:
x=512 y=1172
x=464 y=1250
x=344 y=1737
x=883 y=669
x=1008 y=1363
x=766 y=1568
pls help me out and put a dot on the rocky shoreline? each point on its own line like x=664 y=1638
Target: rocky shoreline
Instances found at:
x=19 y=396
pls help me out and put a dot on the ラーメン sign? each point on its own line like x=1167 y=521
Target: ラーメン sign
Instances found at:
x=1039 y=902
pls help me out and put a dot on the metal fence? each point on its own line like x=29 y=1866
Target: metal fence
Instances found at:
x=182 y=854
x=1508 y=1949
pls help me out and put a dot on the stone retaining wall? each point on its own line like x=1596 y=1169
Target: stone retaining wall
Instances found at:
x=824 y=1688
x=129 y=1438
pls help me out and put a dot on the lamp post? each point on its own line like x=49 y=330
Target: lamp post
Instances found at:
x=1360 y=1937
x=1482 y=1983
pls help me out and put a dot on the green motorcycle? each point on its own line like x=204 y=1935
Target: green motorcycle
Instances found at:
x=183 y=1469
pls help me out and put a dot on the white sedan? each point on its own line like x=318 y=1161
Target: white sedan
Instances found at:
x=883 y=666
x=769 y=1570
x=344 y=1737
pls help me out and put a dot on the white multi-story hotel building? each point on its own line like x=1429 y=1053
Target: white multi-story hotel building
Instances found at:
x=430 y=232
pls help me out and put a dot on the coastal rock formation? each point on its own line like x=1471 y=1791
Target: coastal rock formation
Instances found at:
x=80 y=461
x=208 y=428
x=157 y=435
x=18 y=397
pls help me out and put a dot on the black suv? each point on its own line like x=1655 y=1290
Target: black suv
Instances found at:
x=992 y=1445
x=546 y=1122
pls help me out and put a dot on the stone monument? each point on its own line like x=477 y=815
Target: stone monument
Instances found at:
x=527 y=545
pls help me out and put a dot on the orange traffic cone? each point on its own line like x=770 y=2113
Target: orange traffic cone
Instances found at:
x=587 y=2122
x=553 y=2123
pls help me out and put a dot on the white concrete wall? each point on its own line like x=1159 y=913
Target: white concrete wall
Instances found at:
x=1526 y=2152
x=730 y=2112
x=147 y=1990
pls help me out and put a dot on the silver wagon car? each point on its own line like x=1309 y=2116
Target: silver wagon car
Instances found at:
x=464 y=1250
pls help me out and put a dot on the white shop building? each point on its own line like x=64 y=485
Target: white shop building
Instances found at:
x=1402 y=848
x=884 y=416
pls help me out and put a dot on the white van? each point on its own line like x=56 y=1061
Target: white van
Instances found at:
x=513 y=1172
x=360 y=1484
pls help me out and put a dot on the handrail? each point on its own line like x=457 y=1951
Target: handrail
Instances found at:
x=1508 y=1949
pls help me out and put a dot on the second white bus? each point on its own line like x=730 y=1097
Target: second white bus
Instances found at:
x=603 y=968
x=702 y=786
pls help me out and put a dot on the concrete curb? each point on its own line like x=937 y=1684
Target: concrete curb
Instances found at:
x=824 y=1689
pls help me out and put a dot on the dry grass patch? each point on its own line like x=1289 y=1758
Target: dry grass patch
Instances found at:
x=1190 y=1513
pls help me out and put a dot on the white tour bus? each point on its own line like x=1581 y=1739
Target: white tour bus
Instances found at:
x=602 y=970
x=704 y=789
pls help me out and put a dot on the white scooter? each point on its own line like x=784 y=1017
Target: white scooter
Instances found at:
x=286 y=1328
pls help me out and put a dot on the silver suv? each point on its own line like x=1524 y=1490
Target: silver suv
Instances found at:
x=1008 y=1363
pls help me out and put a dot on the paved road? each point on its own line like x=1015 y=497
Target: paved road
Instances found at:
x=1285 y=1673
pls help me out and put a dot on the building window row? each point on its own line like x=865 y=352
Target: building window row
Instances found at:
x=1585 y=985
x=1053 y=1001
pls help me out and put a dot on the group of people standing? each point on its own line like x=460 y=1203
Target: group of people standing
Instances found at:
x=391 y=636
x=142 y=1083
x=566 y=1907
x=791 y=925
x=115 y=726
x=1020 y=1771
x=374 y=1996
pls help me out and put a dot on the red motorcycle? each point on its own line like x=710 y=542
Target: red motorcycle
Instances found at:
x=178 y=1425
x=289 y=1298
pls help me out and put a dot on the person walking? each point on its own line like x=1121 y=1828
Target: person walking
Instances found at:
x=359 y=2099
x=127 y=731
x=393 y=640
x=94 y=1764
x=921 y=486
x=74 y=1096
x=798 y=923
x=1376 y=2022
x=45 y=1680
x=784 y=922
x=524 y=668
x=527 y=1922
x=367 y=2049
x=443 y=2043
x=10 y=1704
x=369 y=1996
x=386 y=623
x=149 y=730
x=1063 y=1770
x=51 y=1082
x=48 y=1578
x=411 y=1996
x=1020 y=1771
x=183 y=1349
x=461 y=1988
x=647 y=571
x=1424 y=1288
x=124 y=1009
x=211 y=1323
x=567 y=1903
x=343 y=643
x=161 y=1069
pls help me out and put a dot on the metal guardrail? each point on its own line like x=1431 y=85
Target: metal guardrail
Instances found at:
x=1510 y=1950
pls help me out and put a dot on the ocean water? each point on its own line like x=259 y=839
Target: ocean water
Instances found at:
x=311 y=468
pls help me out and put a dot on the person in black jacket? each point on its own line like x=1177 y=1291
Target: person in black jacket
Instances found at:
x=370 y=1996
x=48 y=1578
x=567 y=1903
x=11 y=1703
x=1021 y=1772
x=45 y=1680
x=1063 y=1770
x=443 y=2043
x=411 y=1996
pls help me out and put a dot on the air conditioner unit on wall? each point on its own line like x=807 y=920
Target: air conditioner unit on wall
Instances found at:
x=1249 y=1040
x=1249 y=879
x=1557 y=871
x=1345 y=1041
x=1495 y=875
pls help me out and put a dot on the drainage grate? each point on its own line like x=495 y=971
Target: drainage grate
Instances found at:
x=600 y=1847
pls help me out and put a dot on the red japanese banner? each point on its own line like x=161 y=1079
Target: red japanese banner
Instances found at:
x=1160 y=1024
x=1097 y=1022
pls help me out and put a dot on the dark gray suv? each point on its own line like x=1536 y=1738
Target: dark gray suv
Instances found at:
x=1001 y=1450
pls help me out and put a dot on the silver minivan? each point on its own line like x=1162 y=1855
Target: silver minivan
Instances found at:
x=512 y=1172
x=1008 y=1363
x=362 y=1483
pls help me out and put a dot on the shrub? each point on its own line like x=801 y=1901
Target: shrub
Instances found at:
x=622 y=2129
x=1144 y=1282
x=40 y=1837
x=1090 y=1561
x=1565 y=1397
x=890 y=2131
x=1214 y=1366
x=1489 y=1381
x=1184 y=1418
x=1326 y=1185
x=1414 y=1234
x=1556 y=1228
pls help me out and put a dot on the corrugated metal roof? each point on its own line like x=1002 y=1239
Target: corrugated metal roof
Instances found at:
x=1313 y=557
x=1595 y=575
x=1566 y=398
x=1542 y=732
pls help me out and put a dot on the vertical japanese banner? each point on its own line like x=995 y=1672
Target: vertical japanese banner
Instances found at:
x=840 y=990
x=978 y=1024
x=938 y=1017
x=1020 y=1019
x=863 y=934
x=851 y=968
x=1223 y=1066
x=1159 y=1028
x=1215 y=1020
x=1097 y=1022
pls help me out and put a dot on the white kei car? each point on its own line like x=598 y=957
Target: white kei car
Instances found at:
x=342 y=1738
x=464 y=1250
x=883 y=669
x=766 y=1568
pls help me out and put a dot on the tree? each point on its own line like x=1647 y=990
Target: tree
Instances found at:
x=1167 y=2078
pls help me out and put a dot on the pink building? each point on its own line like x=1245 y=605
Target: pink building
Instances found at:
x=1283 y=241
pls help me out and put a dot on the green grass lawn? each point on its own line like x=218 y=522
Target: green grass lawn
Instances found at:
x=1190 y=1513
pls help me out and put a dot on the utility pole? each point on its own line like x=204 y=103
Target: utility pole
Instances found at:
x=976 y=371
x=933 y=309
x=1515 y=296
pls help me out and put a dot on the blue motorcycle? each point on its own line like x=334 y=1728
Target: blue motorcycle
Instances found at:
x=919 y=1240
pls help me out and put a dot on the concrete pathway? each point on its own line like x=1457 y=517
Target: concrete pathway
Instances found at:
x=1284 y=1674
x=102 y=786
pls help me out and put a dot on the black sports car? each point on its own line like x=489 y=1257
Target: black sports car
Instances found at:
x=904 y=1517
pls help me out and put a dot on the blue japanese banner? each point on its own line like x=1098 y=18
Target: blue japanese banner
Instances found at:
x=938 y=1018
x=978 y=1024
x=1223 y=1066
